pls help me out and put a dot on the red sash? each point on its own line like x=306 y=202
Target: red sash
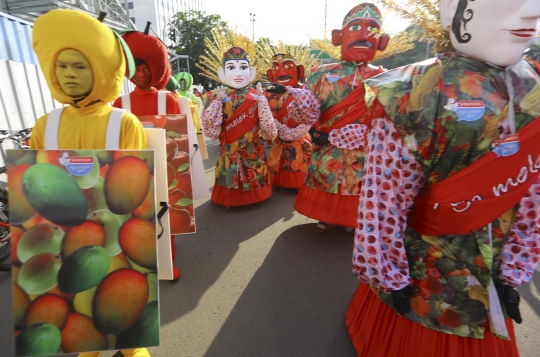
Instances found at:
x=356 y=110
x=242 y=121
x=480 y=193
x=284 y=112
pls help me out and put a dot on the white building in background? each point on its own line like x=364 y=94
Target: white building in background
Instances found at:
x=158 y=12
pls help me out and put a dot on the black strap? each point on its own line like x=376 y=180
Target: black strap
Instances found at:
x=161 y=213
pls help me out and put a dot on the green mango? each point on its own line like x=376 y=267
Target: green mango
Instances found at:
x=105 y=157
x=39 y=274
x=111 y=223
x=84 y=269
x=42 y=238
x=28 y=158
x=55 y=195
x=95 y=197
x=38 y=340
x=144 y=332
x=153 y=287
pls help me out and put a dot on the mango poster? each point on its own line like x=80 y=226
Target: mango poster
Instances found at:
x=179 y=173
x=83 y=242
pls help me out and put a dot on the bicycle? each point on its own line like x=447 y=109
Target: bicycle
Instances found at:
x=21 y=140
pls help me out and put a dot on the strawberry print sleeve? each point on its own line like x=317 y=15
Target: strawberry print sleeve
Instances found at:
x=350 y=137
x=266 y=119
x=521 y=252
x=392 y=179
x=305 y=108
x=293 y=134
x=212 y=118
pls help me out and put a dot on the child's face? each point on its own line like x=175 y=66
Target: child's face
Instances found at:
x=74 y=73
x=143 y=76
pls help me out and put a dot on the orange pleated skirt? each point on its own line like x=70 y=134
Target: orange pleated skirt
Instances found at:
x=230 y=197
x=341 y=210
x=377 y=331
x=288 y=179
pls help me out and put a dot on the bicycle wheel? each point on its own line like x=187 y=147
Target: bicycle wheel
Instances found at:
x=5 y=255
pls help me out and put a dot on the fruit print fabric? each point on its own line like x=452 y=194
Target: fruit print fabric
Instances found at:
x=291 y=151
x=241 y=164
x=76 y=281
x=332 y=166
x=421 y=141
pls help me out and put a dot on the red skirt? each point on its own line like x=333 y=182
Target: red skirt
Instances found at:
x=331 y=208
x=288 y=179
x=230 y=197
x=377 y=331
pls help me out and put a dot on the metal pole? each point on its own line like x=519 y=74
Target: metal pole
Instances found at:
x=427 y=50
x=128 y=20
x=253 y=26
x=325 y=15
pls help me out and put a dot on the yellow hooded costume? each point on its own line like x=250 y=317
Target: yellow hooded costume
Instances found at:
x=83 y=123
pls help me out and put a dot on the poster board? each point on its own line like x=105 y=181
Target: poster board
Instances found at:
x=83 y=238
x=155 y=139
x=200 y=187
x=179 y=169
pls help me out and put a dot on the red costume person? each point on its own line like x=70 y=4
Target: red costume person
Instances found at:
x=152 y=74
x=296 y=110
x=332 y=185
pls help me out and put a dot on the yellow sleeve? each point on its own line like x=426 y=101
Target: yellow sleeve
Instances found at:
x=132 y=135
x=37 y=140
x=197 y=119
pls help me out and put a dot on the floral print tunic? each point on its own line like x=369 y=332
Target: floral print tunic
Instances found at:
x=421 y=140
x=242 y=163
x=334 y=169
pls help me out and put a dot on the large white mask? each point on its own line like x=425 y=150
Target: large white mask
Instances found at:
x=494 y=31
x=236 y=73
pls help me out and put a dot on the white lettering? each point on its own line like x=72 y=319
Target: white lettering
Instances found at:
x=521 y=178
x=243 y=116
x=523 y=174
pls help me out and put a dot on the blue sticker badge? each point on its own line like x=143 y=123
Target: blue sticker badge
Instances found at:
x=78 y=165
x=507 y=146
x=332 y=78
x=467 y=110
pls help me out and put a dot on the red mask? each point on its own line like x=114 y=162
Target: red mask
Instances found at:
x=358 y=43
x=285 y=72
x=143 y=76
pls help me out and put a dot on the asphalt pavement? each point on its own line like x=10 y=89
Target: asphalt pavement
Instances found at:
x=258 y=281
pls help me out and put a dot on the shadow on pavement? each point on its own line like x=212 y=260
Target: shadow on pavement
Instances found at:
x=202 y=257
x=527 y=295
x=295 y=303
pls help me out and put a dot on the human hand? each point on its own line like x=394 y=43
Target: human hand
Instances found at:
x=259 y=88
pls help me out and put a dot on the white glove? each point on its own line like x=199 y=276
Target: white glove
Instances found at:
x=221 y=92
x=278 y=124
x=259 y=88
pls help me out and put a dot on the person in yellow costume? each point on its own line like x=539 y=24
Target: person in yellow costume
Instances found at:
x=84 y=65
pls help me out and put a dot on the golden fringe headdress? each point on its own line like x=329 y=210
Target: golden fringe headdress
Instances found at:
x=300 y=53
x=220 y=42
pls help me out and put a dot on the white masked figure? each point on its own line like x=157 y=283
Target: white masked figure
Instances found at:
x=451 y=194
x=240 y=119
